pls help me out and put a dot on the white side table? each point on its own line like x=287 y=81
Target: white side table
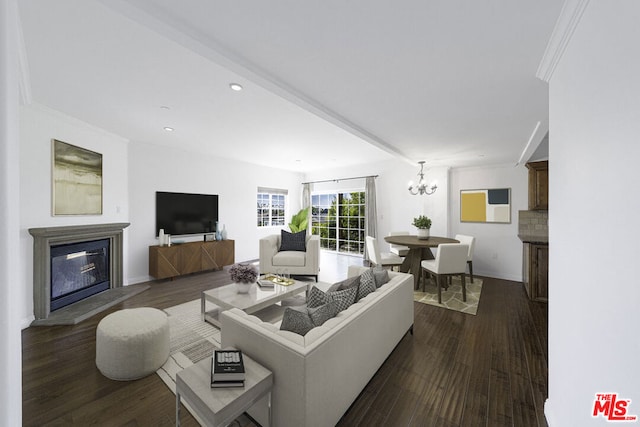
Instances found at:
x=220 y=406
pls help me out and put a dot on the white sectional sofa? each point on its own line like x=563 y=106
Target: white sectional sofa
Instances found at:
x=319 y=375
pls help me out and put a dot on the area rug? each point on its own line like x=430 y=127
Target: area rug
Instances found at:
x=452 y=297
x=192 y=340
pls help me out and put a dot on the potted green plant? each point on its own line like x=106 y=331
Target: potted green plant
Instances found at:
x=299 y=221
x=423 y=224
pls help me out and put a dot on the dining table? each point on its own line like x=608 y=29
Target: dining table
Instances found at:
x=419 y=249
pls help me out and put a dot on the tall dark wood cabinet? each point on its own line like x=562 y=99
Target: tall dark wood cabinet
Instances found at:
x=533 y=226
x=191 y=257
x=536 y=274
x=538 y=185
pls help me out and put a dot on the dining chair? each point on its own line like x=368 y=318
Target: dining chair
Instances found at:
x=384 y=259
x=451 y=260
x=471 y=241
x=399 y=250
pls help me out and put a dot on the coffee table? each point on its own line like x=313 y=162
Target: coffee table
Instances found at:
x=258 y=298
x=220 y=406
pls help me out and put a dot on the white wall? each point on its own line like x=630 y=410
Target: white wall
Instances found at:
x=10 y=342
x=594 y=206
x=132 y=173
x=498 y=250
x=395 y=205
x=154 y=168
x=38 y=125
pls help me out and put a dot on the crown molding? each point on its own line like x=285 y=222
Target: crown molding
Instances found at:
x=539 y=134
x=566 y=25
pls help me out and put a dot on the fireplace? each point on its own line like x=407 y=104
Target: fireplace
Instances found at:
x=73 y=264
x=78 y=270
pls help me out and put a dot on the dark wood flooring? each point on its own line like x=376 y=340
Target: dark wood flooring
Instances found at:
x=456 y=370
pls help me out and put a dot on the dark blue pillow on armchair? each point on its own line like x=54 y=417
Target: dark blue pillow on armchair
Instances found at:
x=293 y=241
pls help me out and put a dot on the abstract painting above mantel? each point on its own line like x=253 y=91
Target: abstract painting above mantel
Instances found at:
x=77 y=180
x=486 y=205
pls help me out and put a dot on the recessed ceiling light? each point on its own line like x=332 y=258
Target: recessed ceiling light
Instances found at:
x=235 y=86
x=164 y=107
x=168 y=129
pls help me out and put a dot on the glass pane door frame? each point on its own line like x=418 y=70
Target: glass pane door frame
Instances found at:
x=338 y=217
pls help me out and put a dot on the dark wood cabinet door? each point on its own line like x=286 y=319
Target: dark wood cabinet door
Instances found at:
x=164 y=261
x=215 y=255
x=538 y=185
x=539 y=272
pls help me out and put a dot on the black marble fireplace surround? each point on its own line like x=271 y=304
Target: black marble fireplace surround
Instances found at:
x=61 y=237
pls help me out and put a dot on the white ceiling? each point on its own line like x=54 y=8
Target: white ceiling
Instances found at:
x=326 y=83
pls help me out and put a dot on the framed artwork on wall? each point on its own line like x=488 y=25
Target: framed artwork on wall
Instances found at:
x=486 y=205
x=77 y=180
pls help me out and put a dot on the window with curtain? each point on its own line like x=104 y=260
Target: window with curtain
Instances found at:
x=272 y=207
x=339 y=219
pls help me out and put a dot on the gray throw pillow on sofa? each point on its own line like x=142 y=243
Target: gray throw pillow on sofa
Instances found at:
x=316 y=298
x=321 y=314
x=380 y=275
x=301 y=320
x=297 y=321
x=343 y=299
x=293 y=241
x=367 y=284
x=347 y=283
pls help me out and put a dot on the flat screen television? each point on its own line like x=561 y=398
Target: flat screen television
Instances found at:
x=186 y=213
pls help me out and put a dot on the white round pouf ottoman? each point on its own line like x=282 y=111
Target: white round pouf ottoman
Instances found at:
x=132 y=343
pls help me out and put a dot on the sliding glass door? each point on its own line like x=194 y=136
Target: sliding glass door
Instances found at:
x=338 y=218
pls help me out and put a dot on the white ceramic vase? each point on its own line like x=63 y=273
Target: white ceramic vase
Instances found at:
x=423 y=233
x=243 y=288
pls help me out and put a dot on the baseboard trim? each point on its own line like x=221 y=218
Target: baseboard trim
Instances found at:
x=547 y=413
x=25 y=322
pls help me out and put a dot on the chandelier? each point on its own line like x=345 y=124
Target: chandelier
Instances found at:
x=422 y=187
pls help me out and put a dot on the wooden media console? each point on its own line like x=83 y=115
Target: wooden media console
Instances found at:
x=191 y=257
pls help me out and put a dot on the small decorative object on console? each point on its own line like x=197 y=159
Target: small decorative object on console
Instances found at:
x=227 y=369
x=218 y=231
x=243 y=275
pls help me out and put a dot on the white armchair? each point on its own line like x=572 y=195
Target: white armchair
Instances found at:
x=296 y=263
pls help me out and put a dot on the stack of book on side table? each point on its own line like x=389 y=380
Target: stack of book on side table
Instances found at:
x=227 y=369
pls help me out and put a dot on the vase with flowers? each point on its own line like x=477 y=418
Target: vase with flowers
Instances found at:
x=243 y=276
x=423 y=224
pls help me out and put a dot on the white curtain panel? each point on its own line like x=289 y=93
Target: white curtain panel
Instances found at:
x=306 y=202
x=371 y=215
